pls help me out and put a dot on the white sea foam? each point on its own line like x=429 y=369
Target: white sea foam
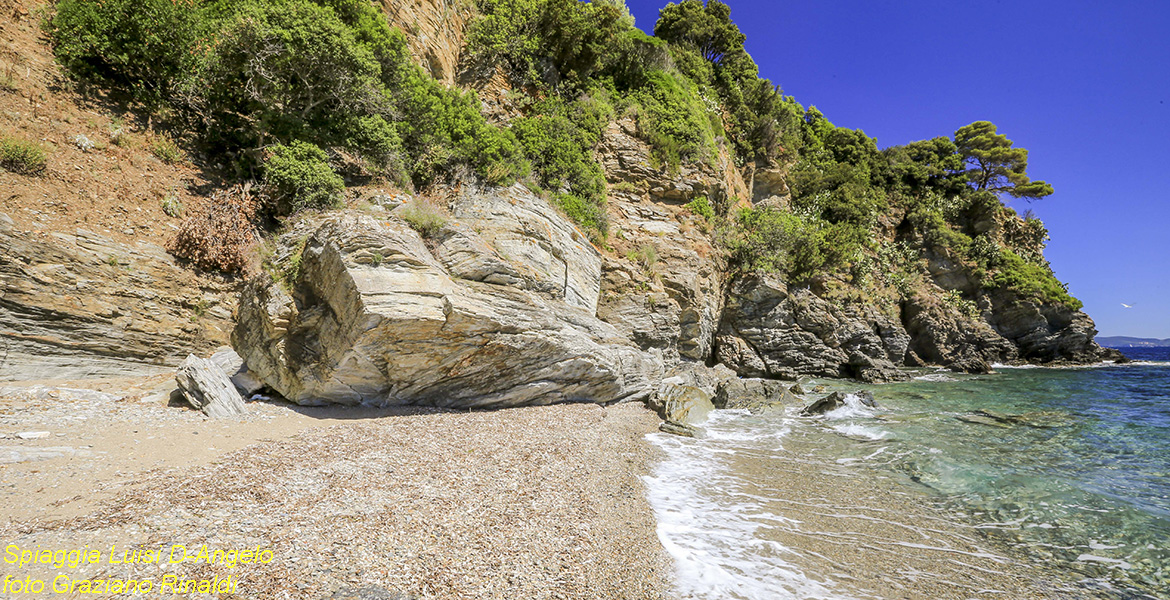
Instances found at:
x=935 y=377
x=862 y=431
x=853 y=408
x=709 y=523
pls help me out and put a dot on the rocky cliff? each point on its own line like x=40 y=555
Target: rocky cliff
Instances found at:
x=509 y=301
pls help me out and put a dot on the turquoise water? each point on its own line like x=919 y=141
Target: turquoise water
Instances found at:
x=1072 y=467
x=1066 y=470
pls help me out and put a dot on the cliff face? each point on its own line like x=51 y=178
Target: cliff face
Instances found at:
x=509 y=303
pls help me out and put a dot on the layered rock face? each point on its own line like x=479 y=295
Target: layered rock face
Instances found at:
x=667 y=293
x=769 y=330
x=79 y=304
x=376 y=318
x=435 y=31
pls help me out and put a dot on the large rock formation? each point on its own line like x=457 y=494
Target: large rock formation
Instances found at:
x=374 y=317
x=769 y=330
x=664 y=289
x=79 y=304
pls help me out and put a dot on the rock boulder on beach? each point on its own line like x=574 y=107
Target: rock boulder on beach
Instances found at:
x=206 y=387
x=375 y=318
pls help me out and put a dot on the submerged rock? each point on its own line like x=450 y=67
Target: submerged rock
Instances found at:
x=375 y=318
x=206 y=387
x=828 y=403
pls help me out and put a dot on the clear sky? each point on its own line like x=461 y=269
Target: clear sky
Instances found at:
x=1083 y=85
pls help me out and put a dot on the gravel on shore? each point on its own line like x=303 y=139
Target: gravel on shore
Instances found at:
x=543 y=502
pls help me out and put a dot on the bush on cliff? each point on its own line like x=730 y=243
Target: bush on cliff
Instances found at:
x=1029 y=281
x=245 y=75
x=299 y=176
x=22 y=156
x=141 y=46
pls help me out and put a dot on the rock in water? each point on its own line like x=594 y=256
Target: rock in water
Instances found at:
x=206 y=387
x=375 y=318
x=828 y=403
x=682 y=404
x=676 y=429
x=758 y=396
x=971 y=364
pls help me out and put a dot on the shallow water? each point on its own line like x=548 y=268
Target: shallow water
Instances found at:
x=1062 y=473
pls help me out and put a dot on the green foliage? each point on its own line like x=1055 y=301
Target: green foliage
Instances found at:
x=22 y=156
x=166 y=150
x=994 y=165
x=766 y=239
x=701 y=206
x=299 y=176
x=708 y=48
x=143 y=46
x=705 y=28
x=673 y=120
x=172 y=206
x=955 y=300
x=245 y=75
x=570 y=35
x=442 y=129
x=423 y=218
x=645 y=255
x=1029 y=281
x=559 y=142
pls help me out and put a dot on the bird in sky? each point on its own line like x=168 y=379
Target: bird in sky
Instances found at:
x=1126 y=305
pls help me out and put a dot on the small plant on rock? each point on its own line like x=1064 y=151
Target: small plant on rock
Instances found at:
x=645 y=255
x=166 y=150
x=423 y=218
x=172 y=205
x=22 y=156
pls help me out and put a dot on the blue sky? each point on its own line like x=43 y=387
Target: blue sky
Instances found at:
x=1084 y=86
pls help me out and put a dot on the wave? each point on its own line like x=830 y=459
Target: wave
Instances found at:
x=709 y=523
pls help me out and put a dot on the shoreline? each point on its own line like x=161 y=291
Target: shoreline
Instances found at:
x=541 y=502
x=798 y=522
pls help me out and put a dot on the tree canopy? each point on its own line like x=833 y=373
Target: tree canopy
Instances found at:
x=994 y=165
x=708 y=29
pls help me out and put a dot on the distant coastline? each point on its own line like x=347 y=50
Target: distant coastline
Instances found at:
x=1121 y=341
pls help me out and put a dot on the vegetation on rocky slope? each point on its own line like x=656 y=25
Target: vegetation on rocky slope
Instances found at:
x=299 y=93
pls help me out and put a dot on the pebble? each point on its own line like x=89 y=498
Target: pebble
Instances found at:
x=32 y=435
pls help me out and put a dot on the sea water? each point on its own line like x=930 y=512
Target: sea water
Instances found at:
x=1067 y=470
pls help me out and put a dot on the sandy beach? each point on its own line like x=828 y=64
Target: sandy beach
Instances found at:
x=407 y=503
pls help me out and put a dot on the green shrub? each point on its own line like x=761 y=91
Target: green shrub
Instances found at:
x=702 y=207
x=423 y=218
x=22 y=156
x=143 y=46
x=767 y=239
x=674 y=121
x=562 y=153
x=1029 y=281
x=172 y=205
x=299 y=176
x=166 y=150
